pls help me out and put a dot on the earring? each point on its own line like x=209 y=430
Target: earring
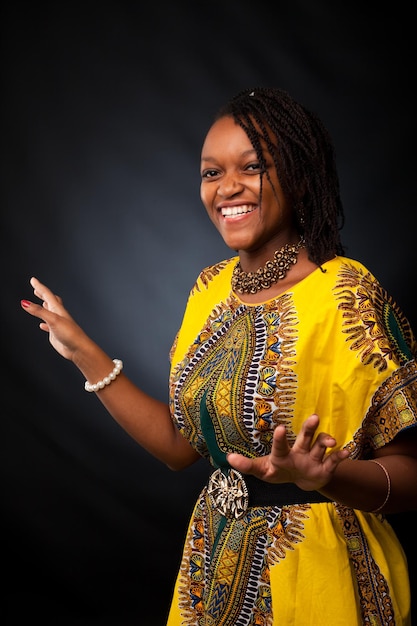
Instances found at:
x=301 y=212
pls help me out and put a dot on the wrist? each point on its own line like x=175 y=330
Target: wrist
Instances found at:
x=103 y=382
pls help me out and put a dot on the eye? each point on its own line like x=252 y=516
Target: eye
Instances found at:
x=209 y=173
x=255 y=167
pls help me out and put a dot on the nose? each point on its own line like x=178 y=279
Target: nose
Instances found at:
x=229 y=185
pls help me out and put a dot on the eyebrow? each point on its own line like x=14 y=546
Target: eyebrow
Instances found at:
x=244 y=154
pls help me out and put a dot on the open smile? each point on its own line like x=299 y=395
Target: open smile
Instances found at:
x=233 y=211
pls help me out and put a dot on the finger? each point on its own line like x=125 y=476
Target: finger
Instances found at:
x=321 y=445
x=333 y=459
x=306 y=435
x=51 y=302
x=36 y=310
x=280 y=445
x=258 y=467
x=240 y=462
x=42 y=292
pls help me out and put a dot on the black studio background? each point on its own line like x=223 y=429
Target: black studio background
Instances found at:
x=105 y=106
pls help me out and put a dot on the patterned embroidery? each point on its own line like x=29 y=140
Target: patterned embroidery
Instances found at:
x=208 y=273
x=379 y=332
x=287 y=532
x=376 y=327
x=236 y=558
x=373 y=589
x=242 y=363
x=243 y=358
x=392 y=409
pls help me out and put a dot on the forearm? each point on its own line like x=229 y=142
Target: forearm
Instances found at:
x=363 y=484
x=145 y=419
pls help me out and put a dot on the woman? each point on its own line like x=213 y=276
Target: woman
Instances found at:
x=294 y=373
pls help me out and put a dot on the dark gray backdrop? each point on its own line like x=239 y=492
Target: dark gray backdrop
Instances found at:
x=105 y=106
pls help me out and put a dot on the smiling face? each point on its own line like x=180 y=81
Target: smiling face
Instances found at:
x=231 y=193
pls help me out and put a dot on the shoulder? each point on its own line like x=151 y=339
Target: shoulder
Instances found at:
x=362 y=299
x=342 y=265
x=347 y=273
x=216 y=275
x=210 y=292
x=211 y=288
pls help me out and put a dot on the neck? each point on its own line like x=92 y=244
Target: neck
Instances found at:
x=252 y=260
x=264 y=277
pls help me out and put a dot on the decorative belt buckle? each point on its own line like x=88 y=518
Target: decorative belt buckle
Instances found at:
x=228 y=493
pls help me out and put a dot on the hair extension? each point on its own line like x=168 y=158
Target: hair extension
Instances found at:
x=303 y=155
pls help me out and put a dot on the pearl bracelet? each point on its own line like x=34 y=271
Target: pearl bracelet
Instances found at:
x=118 y=366
x=389 y=485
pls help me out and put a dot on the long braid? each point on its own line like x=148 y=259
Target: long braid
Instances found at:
x=303 y=155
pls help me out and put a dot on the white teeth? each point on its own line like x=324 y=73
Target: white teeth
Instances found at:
x=236 y=210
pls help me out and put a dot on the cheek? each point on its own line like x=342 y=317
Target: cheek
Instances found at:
x=273 y=199
x=206 y=197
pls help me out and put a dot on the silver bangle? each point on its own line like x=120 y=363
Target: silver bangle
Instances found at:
x=389 y=485
x=118 y=366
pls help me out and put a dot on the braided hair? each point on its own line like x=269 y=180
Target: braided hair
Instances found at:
x=304 y=159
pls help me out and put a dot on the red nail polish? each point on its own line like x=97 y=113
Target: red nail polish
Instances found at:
x=25 y=303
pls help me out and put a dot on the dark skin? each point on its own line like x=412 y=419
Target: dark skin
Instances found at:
x=230 y=192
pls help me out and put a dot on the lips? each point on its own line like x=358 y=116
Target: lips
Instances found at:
x=232 y=211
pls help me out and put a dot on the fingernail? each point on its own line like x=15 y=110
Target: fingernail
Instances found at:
x=25 y=303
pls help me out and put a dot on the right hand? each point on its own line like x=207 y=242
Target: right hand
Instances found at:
x=309 y=463
x=64 y=333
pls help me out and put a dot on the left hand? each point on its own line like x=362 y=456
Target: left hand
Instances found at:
x=308 y=465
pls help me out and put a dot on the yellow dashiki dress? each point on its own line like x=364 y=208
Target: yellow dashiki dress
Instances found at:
x=336 y=345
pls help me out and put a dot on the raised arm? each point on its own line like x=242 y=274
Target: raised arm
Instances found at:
x=146 y=419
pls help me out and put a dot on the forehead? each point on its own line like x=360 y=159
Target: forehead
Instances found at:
x=225 y=135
